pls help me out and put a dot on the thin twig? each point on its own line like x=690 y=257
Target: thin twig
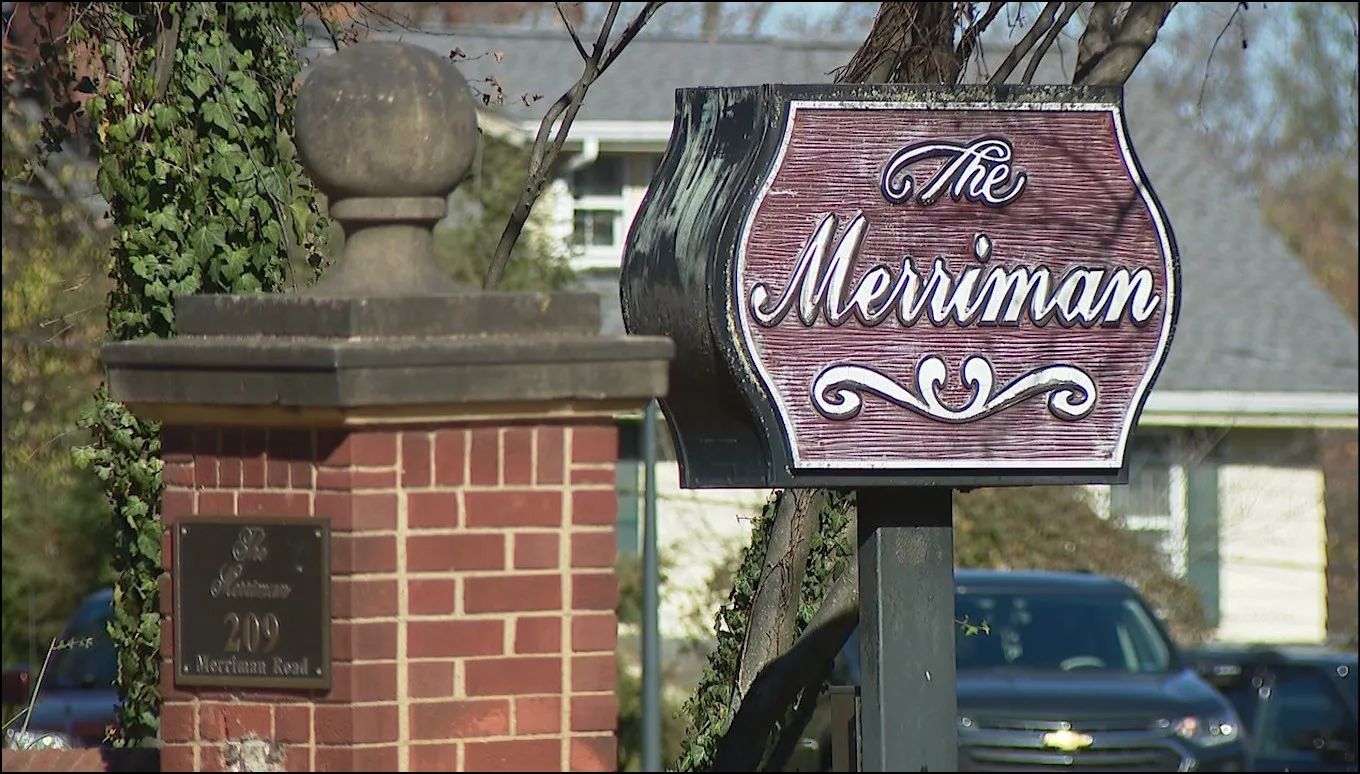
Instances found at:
x=548 y=143
x=969 y=39
x=580 y=47
x=1203 y=84
x=1040 y=26
x=1047 y=43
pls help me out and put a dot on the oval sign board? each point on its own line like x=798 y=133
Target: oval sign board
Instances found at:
x=950 y=286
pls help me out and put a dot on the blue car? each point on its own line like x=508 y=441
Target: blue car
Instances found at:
x=77 y=697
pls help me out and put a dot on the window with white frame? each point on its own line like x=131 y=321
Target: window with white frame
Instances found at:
x=1152 y=505
x=597 y=191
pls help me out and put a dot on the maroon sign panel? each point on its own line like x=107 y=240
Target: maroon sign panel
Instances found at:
x=982 y=286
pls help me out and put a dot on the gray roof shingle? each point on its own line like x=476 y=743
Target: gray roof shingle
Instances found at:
x=1252 y=317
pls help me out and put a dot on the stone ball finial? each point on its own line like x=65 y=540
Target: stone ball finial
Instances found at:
x=382 y=119
x=386 y=131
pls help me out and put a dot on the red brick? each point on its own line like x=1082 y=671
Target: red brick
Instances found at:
x=364 y=682
x=373 y=449
x=277 y=473
x=460 y=719
x=216 y=502
x=598 y=443
x=178 y=474
x=594 y=673
x=432 y=510
x=450 y=457
x=515 y=755
x=538 y=635
x=446 y=553
x=594 y=591
x=233 y=721
x=179 y=722
x=485 y=460
x=538 y=715
x=254 y=442
x=363 y=640
x=174 y=757
x=351 y=512
x=293 y=723
x=432 y=596
x=600 y=476
x=346 y=758
x=434 y=757
x=594 y=506
x=205 y=470
x=511 y=508
x=429 y=679
x=551 y=453
x=364 y=597
x=597 y=631
x=229 y=472
x=273 y=504
x=363 y=724
x=177 y=502
x=371 y=480
x=536 y=551
x=363 y=553
x=513 y=593
x=594 y=753
x=455 y=639
x=416 y=459
x=301 y=474
x=517 y=456
x=593 y=549
x=594 y=713
x=332 y=447
x=334 y=479
x=513 y=676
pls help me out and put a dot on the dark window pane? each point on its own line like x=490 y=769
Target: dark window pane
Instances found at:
x=1302 y=717
x=594 y=228
x=602 y=177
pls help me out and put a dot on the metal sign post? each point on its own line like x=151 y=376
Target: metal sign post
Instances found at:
x=903 y=290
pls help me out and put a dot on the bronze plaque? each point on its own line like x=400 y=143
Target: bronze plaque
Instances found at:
x=252 y=602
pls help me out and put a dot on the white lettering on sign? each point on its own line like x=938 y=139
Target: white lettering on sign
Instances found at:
x=821 y=287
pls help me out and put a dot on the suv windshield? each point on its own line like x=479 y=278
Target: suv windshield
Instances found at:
x=1060 y=631
x=87 y=657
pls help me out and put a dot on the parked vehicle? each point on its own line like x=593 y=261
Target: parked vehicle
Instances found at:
x=77 y=697
x=1073 y=670
x=1297 y=702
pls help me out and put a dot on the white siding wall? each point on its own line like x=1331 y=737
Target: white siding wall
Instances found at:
x=696 y=530
x=1273 y=549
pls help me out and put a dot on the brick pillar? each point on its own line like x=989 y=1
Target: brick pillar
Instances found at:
x=460 y=444
x=473 y=595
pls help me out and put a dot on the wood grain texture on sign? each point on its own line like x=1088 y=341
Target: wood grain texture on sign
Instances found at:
x=1083 y=205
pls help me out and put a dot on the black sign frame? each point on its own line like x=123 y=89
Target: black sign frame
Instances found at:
x=194 y=557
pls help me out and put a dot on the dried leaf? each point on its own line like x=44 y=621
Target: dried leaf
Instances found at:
x=499 y=55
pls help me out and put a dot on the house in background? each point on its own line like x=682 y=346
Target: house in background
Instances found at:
x=1225 y=475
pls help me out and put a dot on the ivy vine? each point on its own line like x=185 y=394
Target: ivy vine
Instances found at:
x=188 y=110
x=708 y=705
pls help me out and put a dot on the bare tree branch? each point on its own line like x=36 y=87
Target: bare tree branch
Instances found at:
x=969 y=39
x=1047 y=43
x=571 y=29
x=1040 y=26
x=548 y=144
x=1095 y=40
x=779 y=684
x=772 y=623
x=1131 y=41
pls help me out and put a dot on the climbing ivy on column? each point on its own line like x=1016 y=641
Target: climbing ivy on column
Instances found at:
x=190 y=111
